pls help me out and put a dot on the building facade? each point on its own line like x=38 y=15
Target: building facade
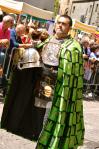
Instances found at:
x=64 y=6
x=43 y=4
x=86 y=11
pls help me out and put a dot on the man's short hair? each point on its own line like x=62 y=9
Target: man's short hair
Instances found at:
x=94 y=47
x=68 y=17
x=85 y=39
x=8 y=18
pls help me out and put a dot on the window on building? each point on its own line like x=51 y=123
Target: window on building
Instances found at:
x=82 y=18
x=66 y=11
x=96 y=8
x=73 y=9
x=68 y=1
x=90 y=8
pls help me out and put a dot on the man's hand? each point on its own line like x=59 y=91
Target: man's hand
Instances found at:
x=85 y=56
x=4 y=42
x=26 y=46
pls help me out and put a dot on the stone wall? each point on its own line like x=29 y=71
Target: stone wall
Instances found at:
x=43 y=4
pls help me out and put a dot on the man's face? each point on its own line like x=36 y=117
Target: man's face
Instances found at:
x=8 y=24
x=86 y=44
x=62 y=27
x=21 y=31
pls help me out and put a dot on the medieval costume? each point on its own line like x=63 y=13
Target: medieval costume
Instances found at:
x=64 y=128
x=17 y=116
x=45 y=89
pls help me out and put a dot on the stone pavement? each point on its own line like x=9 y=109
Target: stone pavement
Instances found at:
x=91 y=116
x=10 y=141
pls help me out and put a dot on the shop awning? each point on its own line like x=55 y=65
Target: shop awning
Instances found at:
x=84 y=27
x=11 y=6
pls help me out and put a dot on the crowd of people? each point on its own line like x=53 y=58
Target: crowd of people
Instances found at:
x=44 y=90
x=91 y=64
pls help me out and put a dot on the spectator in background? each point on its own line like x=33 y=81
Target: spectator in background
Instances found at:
x=17 y=116
x=4 y=38
x=16 y=42
x=91 y=43
x=94 y=55
x=86 y=51
x=32 y=28
x=85 y=46
x=5 y=31
x=44 y=35
x=16 y=34
x=26 y=38
x=36 y=35
x=94 y=60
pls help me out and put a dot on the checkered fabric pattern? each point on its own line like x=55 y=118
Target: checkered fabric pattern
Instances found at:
x=64 y=128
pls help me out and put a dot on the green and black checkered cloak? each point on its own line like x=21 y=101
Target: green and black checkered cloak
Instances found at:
x=64 y=128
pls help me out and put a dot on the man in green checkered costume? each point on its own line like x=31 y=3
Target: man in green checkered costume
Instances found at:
x=64 y=128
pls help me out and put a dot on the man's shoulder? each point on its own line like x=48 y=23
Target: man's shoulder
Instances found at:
x=76 y=45
x=8 y=31
x=72 y=42
x=12 y=31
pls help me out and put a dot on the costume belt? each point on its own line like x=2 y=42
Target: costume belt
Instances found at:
x=51 y=67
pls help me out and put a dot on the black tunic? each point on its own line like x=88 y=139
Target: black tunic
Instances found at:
x=18 y=112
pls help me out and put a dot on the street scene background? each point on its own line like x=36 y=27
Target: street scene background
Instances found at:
x=91 y=141
x=85 y=16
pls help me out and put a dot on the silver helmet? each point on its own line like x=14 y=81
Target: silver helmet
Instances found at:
x=29 y=59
